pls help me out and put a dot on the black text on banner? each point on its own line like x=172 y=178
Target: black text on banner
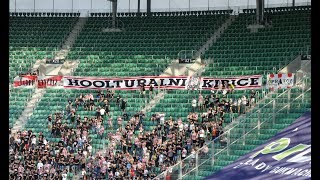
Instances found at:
x=164 y=82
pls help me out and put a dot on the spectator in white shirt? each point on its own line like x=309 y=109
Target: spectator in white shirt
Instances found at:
x=239 y=105
x=252 y=98
x=202 y=136
x=64 y=175
x=191 y=127
x=201 y=102
x=33 y=141
x=145 y=173
x=39 y=165
x=45 y=142
x=180 y=127
x=184 y=153
x=117 y=174
x=83 y=173
x=243 y=104
x=162 y=119
x=102 y=111
x=89 y=149
x=194 y=104
x=161 y=159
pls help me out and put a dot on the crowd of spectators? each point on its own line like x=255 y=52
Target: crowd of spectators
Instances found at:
x=132 y=152
x=33 y=157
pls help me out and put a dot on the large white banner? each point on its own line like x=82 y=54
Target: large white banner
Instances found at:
x=280 y=81
x=162 y=82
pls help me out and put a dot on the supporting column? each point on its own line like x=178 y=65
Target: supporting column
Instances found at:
x=259 y=121
x=244 y=133
x=212 y=147
x=138 y=6
x=114 y=12
x=259 y=11
x=289 y=98
x=293 y=3
x=180 y=168
x=228 y=142
x=273 y=111
x=148 y=7
x=197 y=163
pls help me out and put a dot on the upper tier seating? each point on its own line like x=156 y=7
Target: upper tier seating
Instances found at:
x=239 y=52
x=164 y=36
x=34 y=38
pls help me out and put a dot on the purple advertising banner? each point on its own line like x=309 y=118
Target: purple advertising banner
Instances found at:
x=286 y=156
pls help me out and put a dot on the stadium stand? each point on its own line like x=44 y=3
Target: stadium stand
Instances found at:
x=32 y=39
x=147 y=46
x=239 y=52
x=163 y=36
x=240 y=145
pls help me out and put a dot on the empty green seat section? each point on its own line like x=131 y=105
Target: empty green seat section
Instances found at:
x=35 y=38
x=18 y=97
x=163 y=36
x=239 y=52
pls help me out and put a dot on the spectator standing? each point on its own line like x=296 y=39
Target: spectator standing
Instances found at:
x=243 y=104
x=142 y=90
x=119 y=121
x=73 y=116
x=83 y=174
x=110 y=123
x=123 y=105
x=118 y=100
x=201 y=102
x=151 y=91
x=194 y=104
x=102 y=111
x=239 y=102
x=64 y=175
x=145 y=174
x=91 y=104
x=211 y=100
x=252 y=98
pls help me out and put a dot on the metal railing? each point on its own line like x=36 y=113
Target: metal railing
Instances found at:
x=272 y=104
x=264 y=120
x=257 y=129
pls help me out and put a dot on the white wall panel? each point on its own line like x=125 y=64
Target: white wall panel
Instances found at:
x=12 y=5
x=62 y=4
x=25 y=4
x=179 y=5
x=156 y=5
x=100 y=5
x=143 y=5
x=133 y=5
x=199 y=4
x=123 y=5
x=44 y=5
x=218 y=3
